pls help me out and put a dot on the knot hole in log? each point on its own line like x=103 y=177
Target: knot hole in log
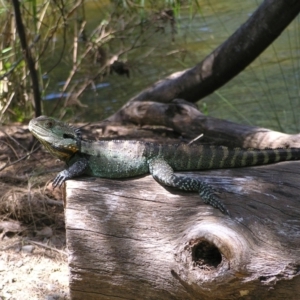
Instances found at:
x=210 y=254
x=205 y=255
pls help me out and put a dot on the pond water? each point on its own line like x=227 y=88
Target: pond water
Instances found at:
x=265 y=94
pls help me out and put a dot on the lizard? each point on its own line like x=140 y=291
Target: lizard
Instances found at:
x=128 y=158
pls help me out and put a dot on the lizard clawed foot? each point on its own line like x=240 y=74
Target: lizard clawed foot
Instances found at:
x=208 y=196
x=216 y=203
x=60 y=178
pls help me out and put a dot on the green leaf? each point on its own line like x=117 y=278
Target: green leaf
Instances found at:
x=6 y=50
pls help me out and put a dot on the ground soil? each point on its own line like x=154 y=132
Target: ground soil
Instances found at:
x=33 y=254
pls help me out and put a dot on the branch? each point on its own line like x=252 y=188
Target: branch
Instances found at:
x=229 y=59
x=28 y=58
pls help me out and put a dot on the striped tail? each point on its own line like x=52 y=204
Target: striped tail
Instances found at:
x=201 y=157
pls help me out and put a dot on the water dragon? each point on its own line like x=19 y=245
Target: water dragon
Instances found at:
x=128 y=158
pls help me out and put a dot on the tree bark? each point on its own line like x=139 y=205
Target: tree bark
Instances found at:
x=135 y=239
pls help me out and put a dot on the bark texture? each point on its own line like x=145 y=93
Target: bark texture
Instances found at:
x=134 y=239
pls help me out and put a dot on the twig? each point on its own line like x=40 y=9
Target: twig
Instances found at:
x=7 y=104
x=18 y=160
x=53 y=202
x=195 y=139
x=29 y=204
x=12 y=68
x=13 y=139
x=16 y=63
x=11 y=148
x=47 y=247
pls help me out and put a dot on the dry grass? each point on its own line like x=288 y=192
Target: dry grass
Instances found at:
x=33 y=254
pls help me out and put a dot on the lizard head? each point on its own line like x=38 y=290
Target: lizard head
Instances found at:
x=59 y=138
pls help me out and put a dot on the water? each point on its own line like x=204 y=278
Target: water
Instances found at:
x=265 y=94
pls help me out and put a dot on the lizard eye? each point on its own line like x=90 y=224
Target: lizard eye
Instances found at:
x=49 y=124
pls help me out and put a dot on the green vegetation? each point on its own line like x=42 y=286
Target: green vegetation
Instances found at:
x=84 y=52
x=61 y=33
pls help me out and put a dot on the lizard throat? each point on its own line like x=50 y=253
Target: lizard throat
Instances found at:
x=62 y=153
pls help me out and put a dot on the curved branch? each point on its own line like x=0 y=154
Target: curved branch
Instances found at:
x=229 y=59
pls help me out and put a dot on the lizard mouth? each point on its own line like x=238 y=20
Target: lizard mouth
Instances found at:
x=36 y=130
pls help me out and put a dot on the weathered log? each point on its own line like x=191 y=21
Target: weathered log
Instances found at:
x=135 y=239
x=186 y=121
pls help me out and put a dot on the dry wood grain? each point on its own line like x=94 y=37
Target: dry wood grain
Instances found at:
x=135 y=239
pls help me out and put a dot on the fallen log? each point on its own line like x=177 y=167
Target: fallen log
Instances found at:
x=135 y=239
x=185 y=121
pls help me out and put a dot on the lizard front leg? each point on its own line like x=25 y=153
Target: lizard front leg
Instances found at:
x=76 y=169
x=163 y=173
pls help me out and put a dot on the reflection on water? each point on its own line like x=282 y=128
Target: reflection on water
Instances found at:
x=265 y=94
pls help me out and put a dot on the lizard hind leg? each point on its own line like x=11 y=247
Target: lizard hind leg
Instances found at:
x=163 y=173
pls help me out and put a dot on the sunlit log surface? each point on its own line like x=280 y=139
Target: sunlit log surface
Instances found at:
x=135 y=239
